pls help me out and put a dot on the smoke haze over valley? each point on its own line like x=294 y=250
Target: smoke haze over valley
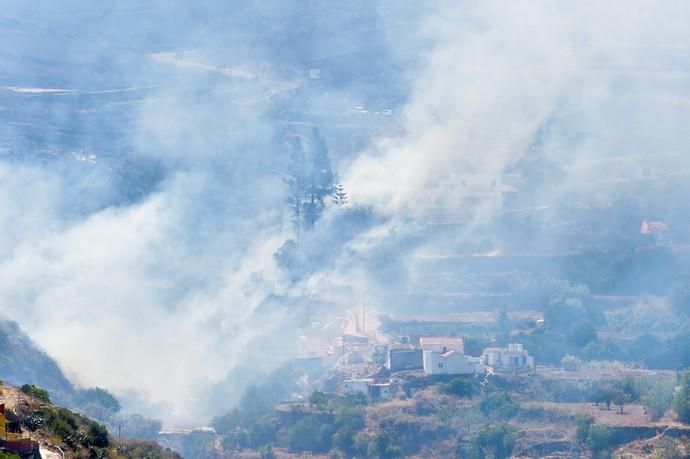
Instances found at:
x=147 y=164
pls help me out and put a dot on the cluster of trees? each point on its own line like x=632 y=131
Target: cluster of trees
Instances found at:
x=36 y=392
x=74 y=430
x=620 y=393
x=310 y=181
x=495 y=441
x=498 y=405
x=336 y=425
x=332 y=425
x=97 y=403
x=326 y=424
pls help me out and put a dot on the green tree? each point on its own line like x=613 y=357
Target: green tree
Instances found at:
x=605 y=393
x=97 y=435
x=309 y=434
x=296 y=181
x=97 y=403
x=499 y=404
x=349 y=421
x=99 y=397
x=681 y=402
x=657 y=398
x=621 y=398
x=629 y=386
x=35 y=391
x=460 y=387
x=310 y=180
x=498 y=440
x=320 y=178
x=318 y=399
x=383 y=445
x=599 y=437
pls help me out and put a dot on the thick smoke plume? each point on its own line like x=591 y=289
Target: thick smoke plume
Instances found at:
x=157 y=290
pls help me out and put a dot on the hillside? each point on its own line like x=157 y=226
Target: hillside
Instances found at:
x=55 y=428
x=22 y=362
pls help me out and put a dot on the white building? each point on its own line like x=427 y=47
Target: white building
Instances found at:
x=442 y=344
x=448 y=363
x=512 y=358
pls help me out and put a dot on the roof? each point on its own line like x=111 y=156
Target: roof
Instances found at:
x=494 y=349
x=444 y=341
x=649 y=227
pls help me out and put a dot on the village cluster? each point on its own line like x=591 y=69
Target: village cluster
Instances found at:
x=417 y=361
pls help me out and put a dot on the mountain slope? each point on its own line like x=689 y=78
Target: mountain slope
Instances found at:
x=22 y=362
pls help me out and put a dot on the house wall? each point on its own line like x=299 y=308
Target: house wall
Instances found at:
x=458 y=364
x=405 y=359
x=454 y=364
x=350 y=386
x=507 y=360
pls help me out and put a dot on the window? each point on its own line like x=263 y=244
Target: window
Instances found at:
x=440 y=365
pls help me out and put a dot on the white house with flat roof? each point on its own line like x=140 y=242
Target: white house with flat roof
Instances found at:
x=511 y=358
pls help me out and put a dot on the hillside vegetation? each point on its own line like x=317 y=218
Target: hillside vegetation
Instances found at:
x=30 y=410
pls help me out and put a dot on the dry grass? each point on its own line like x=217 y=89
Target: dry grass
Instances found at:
x=633 y=415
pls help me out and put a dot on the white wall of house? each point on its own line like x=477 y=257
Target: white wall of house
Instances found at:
x=512 y=358
x=452 y=363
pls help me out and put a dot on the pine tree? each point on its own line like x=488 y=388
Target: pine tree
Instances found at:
x=340 y=197
x=320 y=179
x=310 y=180
x=296 y=181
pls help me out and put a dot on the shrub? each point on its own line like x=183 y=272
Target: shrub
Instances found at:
x=97 y=435
x=383 y=445
x=599 y=437
x=308 y=434
x=500 y=403
x=460 y=387
x=657 y=398
x=35 y=391
x=318 y=398
x=497 y=439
